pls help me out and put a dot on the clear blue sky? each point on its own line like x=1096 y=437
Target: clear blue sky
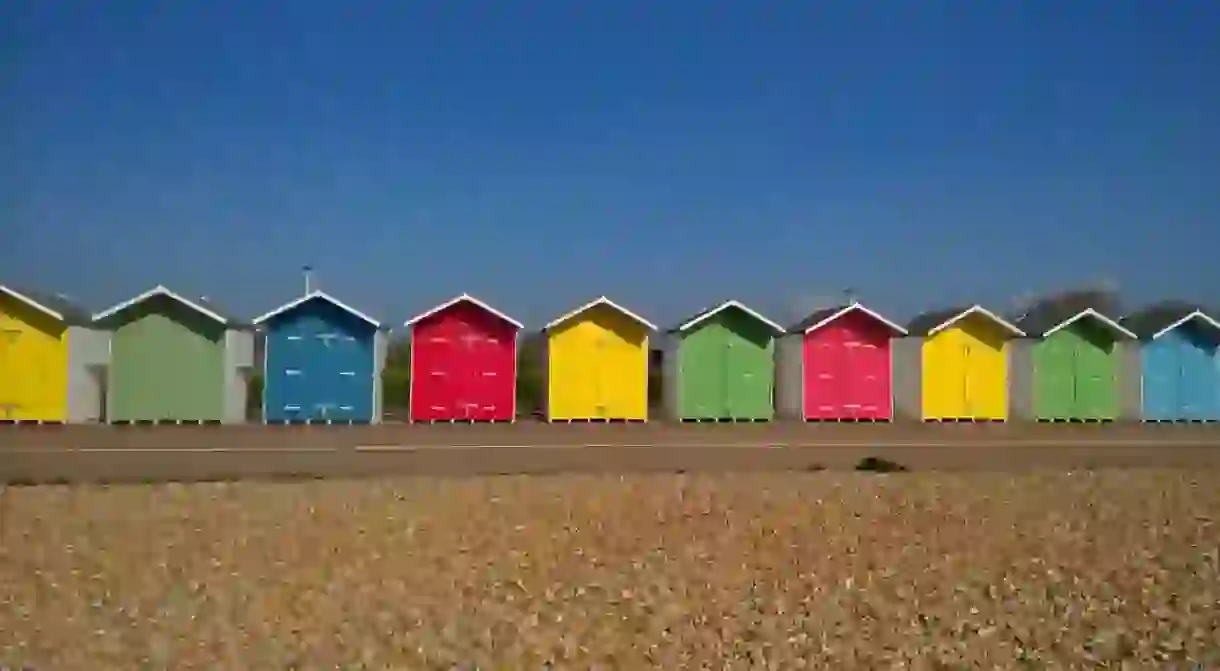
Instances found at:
x=538 y=154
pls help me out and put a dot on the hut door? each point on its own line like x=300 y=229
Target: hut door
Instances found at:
x=433 y=393
x=351 y=388
x=1197 y=377
x=471 y=373
x=1095 y=394
x=1161 y=382
x=326 y=376
x=750 y=369
x=970 y=374
x=480 y=376
x=825 y=369
x=704 y=356
x=984 y=390
x=287 y=396
x=1056 y=374
x=605 y=353
x=464 y=384
x=869 y=375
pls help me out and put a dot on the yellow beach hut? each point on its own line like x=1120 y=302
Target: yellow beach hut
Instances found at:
x=965 y=371
x=597 y=364
x=50 y=359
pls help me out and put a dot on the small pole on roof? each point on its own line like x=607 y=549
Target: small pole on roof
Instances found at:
x=308 y=272
x=849 y=295
x=1022 y=304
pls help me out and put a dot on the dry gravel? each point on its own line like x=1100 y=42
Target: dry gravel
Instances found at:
x=820 y=571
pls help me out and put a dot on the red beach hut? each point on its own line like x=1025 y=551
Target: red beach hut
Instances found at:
x=463 y=363
x=846 y=366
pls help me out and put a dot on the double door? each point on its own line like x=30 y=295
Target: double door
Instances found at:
x=847 y=376
x=964 y=378
x=464 y=379
x=615 y=377
x=1075 y=379
x=984 y=377
x=597 y=372
x=325 y=375
x=463 y=367
x=727 y=375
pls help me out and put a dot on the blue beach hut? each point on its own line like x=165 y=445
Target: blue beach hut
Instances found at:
x=1179 y=362
x=322 y=362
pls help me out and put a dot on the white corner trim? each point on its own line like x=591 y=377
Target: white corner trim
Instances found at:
x=321 y=295
x=17 y=295
x=1197 y=314
x=857 y=307
x=1090 y=312
x=464 y=298
x=980 y=310
x=602 y=300
x=731 y=304
x=159 y=290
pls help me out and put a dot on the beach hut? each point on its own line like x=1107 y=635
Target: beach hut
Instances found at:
x=597 y=364
x=1180 y=364
x=1074 y=358
x=175 y=359
x=50 y=359
x=720 y=365
x=463 y=363
x=322 y=362
x=836 y=366
x=963 y=364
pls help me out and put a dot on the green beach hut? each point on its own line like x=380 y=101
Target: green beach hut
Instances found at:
x=175 y=360
x=720 y=365
x=1075 y=362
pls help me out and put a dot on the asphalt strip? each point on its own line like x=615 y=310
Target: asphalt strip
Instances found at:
x=959 y=444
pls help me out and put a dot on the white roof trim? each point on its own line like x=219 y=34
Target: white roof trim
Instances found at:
x=324 y=296
x=731 y=304
x=1090 y=312
x=464 y=298
x=592 y=304
x=980 y=310
x=853 y=307
x=1197 y=314
x=159 y=290
x=31 y=302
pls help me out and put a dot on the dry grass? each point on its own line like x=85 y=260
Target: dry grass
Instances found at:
x=820 y=571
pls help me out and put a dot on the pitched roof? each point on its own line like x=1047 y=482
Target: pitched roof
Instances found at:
x=1047 y=316
x=322 y=296
x=709 y=311
x=824 y=316
x=203 y=306
x=814 y=318
x=932 y=322
x=1155 y=320
x=926 y=321
x=601 y=300
x=54 y=305
x=464 y=298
